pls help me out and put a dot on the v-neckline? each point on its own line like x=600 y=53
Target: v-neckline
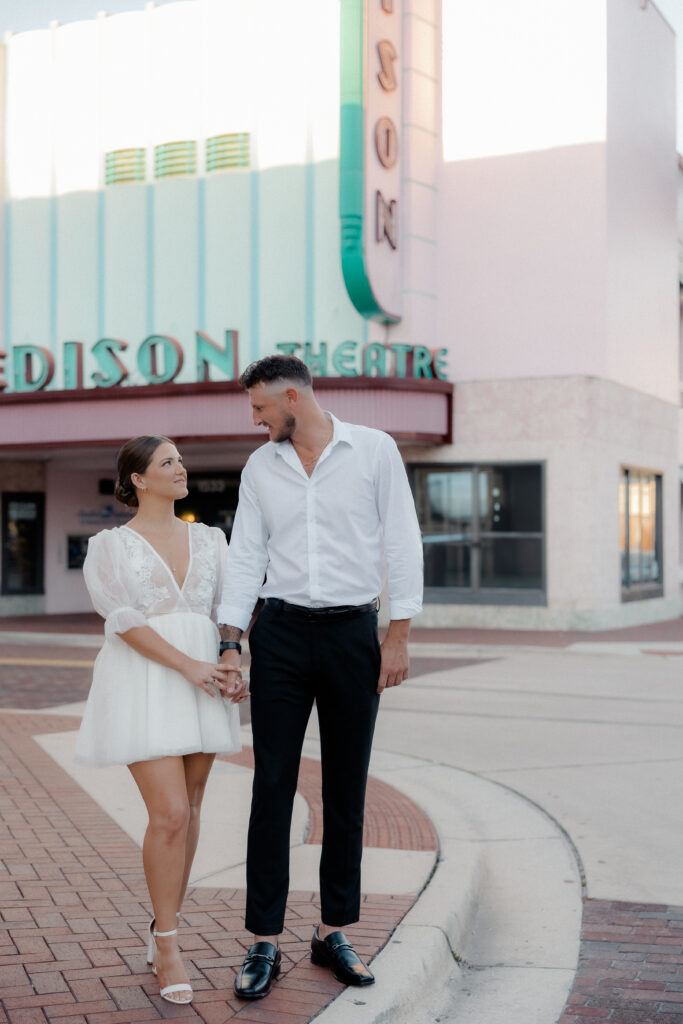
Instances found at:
x=179 y=586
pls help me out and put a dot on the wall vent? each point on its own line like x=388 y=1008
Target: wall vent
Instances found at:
x=225 y=151
x=123 y=165
x=175 y=159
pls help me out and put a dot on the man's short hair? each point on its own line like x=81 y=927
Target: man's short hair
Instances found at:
x=271 y=368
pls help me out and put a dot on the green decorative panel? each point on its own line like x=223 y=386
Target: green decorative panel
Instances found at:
x=225 y=151
x=369 y=156
x=124 y=165
x=175 y=159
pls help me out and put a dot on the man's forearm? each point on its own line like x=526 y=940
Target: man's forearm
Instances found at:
x=230 y=632
x=398 y=630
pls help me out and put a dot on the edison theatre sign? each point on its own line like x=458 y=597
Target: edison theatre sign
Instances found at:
x=370 y=156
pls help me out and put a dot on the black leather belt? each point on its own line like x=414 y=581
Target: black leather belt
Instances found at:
x=340 y=611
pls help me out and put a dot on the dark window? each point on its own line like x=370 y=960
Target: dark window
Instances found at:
x=482 y=530
x=212 y=499
x=640 y=534
x=23 y=531
x=76 y=550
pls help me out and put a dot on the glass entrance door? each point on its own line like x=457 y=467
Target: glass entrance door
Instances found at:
x=212 y=499
x=482 y=532
x=23 y=534
x=445 y=501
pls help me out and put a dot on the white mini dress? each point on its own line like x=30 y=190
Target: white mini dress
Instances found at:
x=138 y=709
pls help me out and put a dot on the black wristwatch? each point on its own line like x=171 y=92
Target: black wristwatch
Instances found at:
x=229 y=645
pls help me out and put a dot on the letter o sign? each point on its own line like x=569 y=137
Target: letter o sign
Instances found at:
x=386 y=142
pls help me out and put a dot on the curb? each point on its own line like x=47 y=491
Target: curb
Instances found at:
x=422 y=955
x=494 y=845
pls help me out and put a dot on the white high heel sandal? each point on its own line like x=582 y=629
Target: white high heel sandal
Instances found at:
x=151 y=945
x=168 y=989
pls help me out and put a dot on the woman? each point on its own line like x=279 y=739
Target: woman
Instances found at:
x=156 y=702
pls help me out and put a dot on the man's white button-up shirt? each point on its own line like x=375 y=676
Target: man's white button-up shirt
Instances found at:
x=329 y=539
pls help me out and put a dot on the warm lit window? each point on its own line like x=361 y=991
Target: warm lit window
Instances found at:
x=640 y=533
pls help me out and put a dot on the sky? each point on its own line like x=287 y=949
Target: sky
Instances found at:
x=21 y=15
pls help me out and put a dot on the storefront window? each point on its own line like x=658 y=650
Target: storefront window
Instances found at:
x=640 y=534
x=482 y=530
x=23 y=529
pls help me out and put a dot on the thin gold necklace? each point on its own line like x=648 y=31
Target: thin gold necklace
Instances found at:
x=306 y=463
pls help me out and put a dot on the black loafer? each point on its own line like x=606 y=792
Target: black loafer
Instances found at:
x=337 y=953
x=260 y=968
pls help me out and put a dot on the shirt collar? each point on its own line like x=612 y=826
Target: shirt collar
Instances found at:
x=342 y=433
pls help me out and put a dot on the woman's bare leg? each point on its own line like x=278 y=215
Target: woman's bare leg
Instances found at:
x=163 y=788
x=197 y=768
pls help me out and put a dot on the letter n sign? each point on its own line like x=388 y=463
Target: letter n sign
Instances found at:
x=370 y=156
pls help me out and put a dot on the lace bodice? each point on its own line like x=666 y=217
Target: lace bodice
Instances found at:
x=128 y=581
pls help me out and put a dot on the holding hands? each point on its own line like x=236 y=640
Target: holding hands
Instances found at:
x=217 y=680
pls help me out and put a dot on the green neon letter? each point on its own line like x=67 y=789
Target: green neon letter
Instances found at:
x=148 y=364
x=422 y=362
x=73 y=365
x=401 y=353
x=112 y=370
x=375 y=358
x=211 y=354
x=34 y=367
x=344 y=359
x=316 y=361
x=439 y=363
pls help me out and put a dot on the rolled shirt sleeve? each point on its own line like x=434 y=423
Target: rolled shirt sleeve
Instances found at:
x=402 y=538
x=247 y=558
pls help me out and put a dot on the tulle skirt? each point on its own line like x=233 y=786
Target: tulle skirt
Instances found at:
x=138 y=710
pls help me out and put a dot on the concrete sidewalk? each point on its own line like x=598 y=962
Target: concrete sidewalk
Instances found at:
x=491 y=931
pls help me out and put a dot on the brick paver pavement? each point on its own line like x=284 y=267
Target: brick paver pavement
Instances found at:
x=631 y=965
x=42 y=677
x=74 y=908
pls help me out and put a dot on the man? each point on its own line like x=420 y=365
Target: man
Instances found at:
x=325 y=513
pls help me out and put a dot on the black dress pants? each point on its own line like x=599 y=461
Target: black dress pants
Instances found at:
x=296 y=660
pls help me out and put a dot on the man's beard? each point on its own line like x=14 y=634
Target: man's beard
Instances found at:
x=286 y=430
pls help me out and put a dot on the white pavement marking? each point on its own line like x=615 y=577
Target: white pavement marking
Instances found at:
x=28 y=639
x=225 y=810
x=220 y=857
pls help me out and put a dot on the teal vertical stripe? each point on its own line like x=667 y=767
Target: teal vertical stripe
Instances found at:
x=54 y=272
x=201 y=254
x=101 y=265
x=255 y=301
x=7 y=340
x=150 y=258
x=309 y=254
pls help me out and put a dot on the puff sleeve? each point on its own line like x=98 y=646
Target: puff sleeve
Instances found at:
x=110 y=584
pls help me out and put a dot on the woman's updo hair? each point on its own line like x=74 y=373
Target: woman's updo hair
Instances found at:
x=134 y=457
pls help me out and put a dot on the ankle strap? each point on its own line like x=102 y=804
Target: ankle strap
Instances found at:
x=162 y=935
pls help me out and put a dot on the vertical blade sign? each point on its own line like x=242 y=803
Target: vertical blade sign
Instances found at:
x=370 y=156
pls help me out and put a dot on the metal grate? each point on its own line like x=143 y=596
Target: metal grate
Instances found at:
x=122 y=165
x=173 y=159
x=224 y=151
